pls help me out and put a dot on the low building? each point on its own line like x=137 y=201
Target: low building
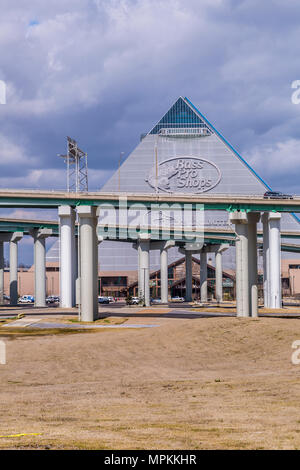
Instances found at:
x=176 y=277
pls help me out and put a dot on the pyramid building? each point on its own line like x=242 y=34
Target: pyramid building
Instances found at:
x=184 y=133
x=182 y=153
x=178 y=142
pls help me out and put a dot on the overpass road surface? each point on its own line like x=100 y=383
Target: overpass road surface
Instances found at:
x=52 y=199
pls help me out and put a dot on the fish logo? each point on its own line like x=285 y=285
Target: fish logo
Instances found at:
x=185 y=175
x=162 y=180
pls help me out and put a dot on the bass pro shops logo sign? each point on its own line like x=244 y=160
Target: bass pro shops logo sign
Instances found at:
x=185 y=174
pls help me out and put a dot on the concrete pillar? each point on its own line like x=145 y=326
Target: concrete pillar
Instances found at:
x=13 y=272
x=99 y=240
x=13 y=267
x=67 y=256
x=188 y=276
x=275 y=260
x=74 y=260
x=87 y=216
x=144 y=277
x=219 y=277
x=203 y=275
x=219 y=272
x=253 y=219
x=77 y=271
x=164 y=276
x=40 y=272
x=242 y=283
x=39 y=237
x=96 y=264
x=266 y=259
x=140 y=283
x=1 y=273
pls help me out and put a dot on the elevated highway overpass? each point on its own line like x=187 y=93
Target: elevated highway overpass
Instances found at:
x=53 y=199
x=211 y=235
x=244 y=215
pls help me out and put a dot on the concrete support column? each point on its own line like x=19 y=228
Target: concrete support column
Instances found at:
x=144 y=245
x=39 y=237
x=242 y=279
x=74 y=260
x=219 y=272
x=203 y=275
x=88 y=310
x=67 y=259
x=219 y=277
x=140 y=283
x=253 y=219
x=13 y=272
x=39 y=272
x=13 y=267
x=188 y=276
x=266 y=259
x=1 y=273
x=77 y=271
x=96 y=264
x=275 y=260
x=164 y=276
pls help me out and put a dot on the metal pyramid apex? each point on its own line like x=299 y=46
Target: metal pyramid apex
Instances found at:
x=181 y=119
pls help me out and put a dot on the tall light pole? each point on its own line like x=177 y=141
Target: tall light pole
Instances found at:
x=119 y=170
x=77 y=169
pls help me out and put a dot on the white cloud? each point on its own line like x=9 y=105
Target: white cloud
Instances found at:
x=51 y=179
x=278 y=162
x=36 y=179
x=29 y=214
x=12 y=153
x=73 y=58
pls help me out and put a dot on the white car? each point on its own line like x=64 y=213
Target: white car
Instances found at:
x=26 y=299
x=177 y=299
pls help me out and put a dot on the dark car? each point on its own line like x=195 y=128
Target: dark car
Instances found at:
x=52 y=299
x=277 y=195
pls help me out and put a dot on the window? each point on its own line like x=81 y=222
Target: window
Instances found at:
x=180 y=116
x=113 y=281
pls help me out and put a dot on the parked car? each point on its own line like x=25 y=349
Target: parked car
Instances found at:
x=277 y=195
x=52 y=299
x=26 y=299
x=178 y=299
x=156 y=301
x=134 y=301
x=111 y=299
x=103 y=300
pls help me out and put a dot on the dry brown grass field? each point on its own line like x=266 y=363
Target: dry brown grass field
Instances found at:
x=203 y=383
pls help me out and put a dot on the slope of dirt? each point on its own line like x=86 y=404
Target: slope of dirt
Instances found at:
x=205 y=383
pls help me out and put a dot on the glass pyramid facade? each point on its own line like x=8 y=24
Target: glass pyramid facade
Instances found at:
x=183 y=136
x=180 y=116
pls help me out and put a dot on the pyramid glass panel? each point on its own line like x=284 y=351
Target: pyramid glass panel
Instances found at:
x=180 y=116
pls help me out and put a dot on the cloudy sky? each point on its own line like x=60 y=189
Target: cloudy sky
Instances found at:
x=104 y=71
